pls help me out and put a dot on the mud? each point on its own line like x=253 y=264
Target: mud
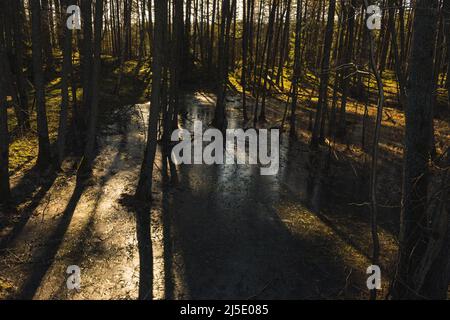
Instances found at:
x=214 y=232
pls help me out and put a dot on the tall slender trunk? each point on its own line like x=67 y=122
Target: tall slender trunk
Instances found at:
x=446 y=13
x=44 y=154
x=144 y=188
x=346 y=75
x=4 y=136
x=324 y=75
x=46 y=35
x=413 y=229
x=297 y=68
x=86 y=164
x=18 y=22
x=65 y=73
x=220 y=112
x=86 y=62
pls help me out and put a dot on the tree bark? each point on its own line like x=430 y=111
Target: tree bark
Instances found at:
x=44 y=155
x=297 y=68
x=413 y=235
x=144 y=188
x=66 y=69
x=324 y=75
x=4 y=136
x=86 y=163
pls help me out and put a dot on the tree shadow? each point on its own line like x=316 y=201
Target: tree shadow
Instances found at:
x=23 y=192
x=231 y=239
x=45 y=259
x=142 y=211
x=169 y=181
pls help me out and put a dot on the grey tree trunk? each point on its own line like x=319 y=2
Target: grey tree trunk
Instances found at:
x=46 y=34
x=446 y=13
x=86 y=164
x=413 y=234
x=18 y=24
x=4 y=137
x=324 y=75
x=66 y=69
x=346 y=76
x=86 y=63
x=44 y=155
x=297 y=68
x=144 y=188
x=220 y=112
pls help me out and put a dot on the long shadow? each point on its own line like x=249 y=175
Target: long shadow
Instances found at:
x=28 y=184
x=142 y=213
x=233 y=243
x=143 y=232
x=46 y=258
x=168 y=181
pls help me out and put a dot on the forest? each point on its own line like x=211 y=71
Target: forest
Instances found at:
x=354 y=93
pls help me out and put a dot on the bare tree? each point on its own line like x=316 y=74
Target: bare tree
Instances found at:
x=324 y=75
x=143 y=191
x=44 y=155
x=297 y=67
x=65 y=72
x=86 y=163
x=4 y=136
x=413 y=234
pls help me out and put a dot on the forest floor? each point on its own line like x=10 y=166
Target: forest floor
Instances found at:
x=220 y=231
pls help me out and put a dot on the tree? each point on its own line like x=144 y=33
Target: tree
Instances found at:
x=86 y=164
x=65 y=72
x=446 y=13
x=143 y=190
x=297 y=67
x=86 y=63
x=346 y=79
x=418 y=116
x=44 y=155
x=225 y=23
x=46 y=33
x=245 y=41
x=18 y=24
x=4 y=136
x=324 y=75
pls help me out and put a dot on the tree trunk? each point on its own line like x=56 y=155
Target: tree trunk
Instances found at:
x=86 y=164
x=297 y=68
x=144 y=188
x=446 y=13
x=220 y=112
x=413 y=234
x=18 y=22
x=86 y=63
x=44 y=154
x=324 y=75
x=46 y=34
x=66 y=69
x=346 y=75
x=4 y=137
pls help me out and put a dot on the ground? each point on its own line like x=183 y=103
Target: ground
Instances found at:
x=221 y=231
